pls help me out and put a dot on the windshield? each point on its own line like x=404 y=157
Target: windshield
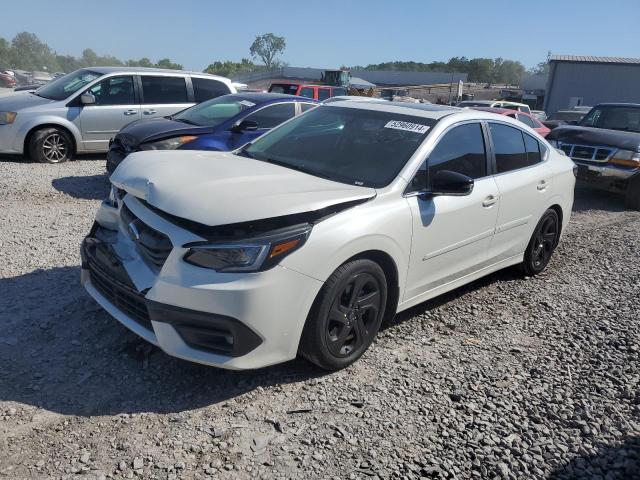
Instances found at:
x=214 y=112
x=62 y=87
x=348 y=145
x=614 y=118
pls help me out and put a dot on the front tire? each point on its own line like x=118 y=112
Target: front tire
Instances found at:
x=346 y=316
x=51 y=145
x=542 y=244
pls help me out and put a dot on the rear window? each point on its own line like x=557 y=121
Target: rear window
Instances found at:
x=205 y=89
x=307 y=92
x=288 y=89
x=164 y=89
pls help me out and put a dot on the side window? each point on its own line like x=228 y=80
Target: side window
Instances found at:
x=533 y=150
x=338 y=91
x=164 y=89
x=460 y=150
x=306 y=92
x=206 y=89
x=509 y=148
x=527 y=120
x=323 y=94
x=273 y=116
x=114 y=91
x=307 y=106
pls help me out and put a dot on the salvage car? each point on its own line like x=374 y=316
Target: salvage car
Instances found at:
x=521 y=107
x=310 y=236
x=81 y=111
x=606 y=147
x=224 y=123
x=524 y=117
x=315 y=92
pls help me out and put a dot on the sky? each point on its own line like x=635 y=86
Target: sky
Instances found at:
x=331 y=33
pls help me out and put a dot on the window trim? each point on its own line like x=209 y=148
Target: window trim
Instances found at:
x=408 y=192
x=544 y=155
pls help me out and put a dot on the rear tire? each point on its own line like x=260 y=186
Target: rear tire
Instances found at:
x=51 y=145
x=346 y=315
x=542 y=244
x=632 y=195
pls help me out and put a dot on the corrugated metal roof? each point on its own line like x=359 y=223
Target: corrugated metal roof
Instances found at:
x=591 y=59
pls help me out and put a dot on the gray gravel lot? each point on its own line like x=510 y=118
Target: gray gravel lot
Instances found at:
x=507 y=378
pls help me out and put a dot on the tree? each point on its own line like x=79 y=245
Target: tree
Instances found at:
x=166 y=63
x=229 y=68
x=267 y=47
x=5 y=54
x=27 y=51
x=540 y=69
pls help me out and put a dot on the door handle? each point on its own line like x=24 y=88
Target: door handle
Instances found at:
x=149 y=112
x=489 y=201
x=130 y=112
x=542 y=184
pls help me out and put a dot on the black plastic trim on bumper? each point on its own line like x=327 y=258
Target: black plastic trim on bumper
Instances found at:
x=209 y=332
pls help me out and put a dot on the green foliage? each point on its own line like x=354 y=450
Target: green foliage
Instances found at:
x=229 y=68
x=540 y=69
x=27 y=52
x=267 y=47
x=481 y=70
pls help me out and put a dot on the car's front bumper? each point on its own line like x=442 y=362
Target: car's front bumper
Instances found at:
x=605 y=175
x=236 y=321
x=11 y=140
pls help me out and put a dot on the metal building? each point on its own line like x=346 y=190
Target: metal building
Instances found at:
x=577 y=80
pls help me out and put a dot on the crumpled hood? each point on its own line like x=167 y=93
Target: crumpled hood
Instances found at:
x=219 y=188
x=19 y=100
x=142 y=131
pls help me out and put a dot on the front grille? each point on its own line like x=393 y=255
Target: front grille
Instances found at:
x=589 y=153
x=154 y=245
x=122 y=296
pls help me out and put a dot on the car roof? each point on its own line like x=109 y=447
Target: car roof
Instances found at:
x=427 y=110
x=617 y=104
x=260 y=97
x=106 y=70
x=499 y=111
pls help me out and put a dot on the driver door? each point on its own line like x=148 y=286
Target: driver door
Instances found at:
x=116 y=106
x=452 y=234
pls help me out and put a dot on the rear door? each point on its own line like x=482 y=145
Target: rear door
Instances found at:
x=323 y=93
x=116 y=106
x=308 y=92
x=524 y=182
x=163 y=95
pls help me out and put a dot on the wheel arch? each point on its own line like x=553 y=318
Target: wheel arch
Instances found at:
x=70 y=131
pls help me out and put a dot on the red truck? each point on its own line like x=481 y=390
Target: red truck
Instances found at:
x=317 y=92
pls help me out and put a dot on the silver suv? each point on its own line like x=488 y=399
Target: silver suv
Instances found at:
x=81 y=111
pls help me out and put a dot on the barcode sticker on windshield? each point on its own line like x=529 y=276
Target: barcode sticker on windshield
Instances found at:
x=409 y=127
x=247 y=103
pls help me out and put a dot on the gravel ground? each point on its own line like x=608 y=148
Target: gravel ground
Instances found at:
x=507 y=378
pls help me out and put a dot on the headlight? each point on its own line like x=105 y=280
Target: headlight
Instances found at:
x=258 y=254
x=7 y=118
x=168 y=143
x=626 y=158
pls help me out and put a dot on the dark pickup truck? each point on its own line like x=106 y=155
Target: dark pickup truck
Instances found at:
x=605 y=145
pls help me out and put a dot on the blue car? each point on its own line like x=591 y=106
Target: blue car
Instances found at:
x=223 y=124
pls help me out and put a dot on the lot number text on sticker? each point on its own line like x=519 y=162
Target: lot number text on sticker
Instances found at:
x=409 y=127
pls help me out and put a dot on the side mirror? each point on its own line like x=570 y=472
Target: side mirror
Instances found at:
x=88 y=99
x=446 y=182
x=245 y=126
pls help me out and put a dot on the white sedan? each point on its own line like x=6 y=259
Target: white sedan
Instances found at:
x=305 y=240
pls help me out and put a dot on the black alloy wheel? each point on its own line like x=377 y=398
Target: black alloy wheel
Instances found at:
x=542 y=244
x=353 y=315
x=346 y=316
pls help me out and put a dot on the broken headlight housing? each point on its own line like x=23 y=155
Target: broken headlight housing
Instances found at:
x=250 y=255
